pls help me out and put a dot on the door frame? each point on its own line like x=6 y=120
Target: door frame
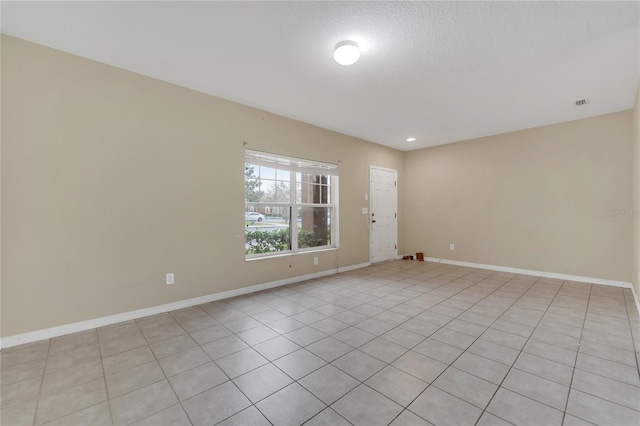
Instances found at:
x=395 y=172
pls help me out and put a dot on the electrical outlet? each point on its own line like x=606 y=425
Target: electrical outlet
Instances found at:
x=452 y=247
x=170 y=279
x=315 y=260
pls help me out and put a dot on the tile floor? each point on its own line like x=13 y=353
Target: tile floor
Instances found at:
x=400 y=343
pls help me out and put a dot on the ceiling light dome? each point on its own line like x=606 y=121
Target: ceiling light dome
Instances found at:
x=347 y=52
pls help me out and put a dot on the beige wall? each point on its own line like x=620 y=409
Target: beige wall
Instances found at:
x=533 y=199
x=635 y=160
x=111 y=179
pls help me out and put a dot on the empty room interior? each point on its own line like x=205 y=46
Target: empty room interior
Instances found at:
x=441 y=213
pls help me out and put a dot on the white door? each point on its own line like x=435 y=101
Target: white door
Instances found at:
x=383 y=214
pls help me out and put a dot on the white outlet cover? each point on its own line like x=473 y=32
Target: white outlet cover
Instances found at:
x=170 y=279
x=452 y=246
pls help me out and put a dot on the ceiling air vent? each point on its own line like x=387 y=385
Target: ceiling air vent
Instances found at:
x=582 y=102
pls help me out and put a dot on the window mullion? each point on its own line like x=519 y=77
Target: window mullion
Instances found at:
x=294 y=212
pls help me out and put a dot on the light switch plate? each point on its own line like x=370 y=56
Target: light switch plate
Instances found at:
x=170 y=279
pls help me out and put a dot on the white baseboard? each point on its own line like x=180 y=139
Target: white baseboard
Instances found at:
x=353 y=267
x=576 y=278
x=48 y=333
x=635 y=298
x=532 y=272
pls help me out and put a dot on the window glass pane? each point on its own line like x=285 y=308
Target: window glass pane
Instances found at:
x=252 y=187
x=284 y=175
x=306 y=192
x=276 y=192
x=313 y=189
x=314 y=226
x=282 y=192
x=298 y=192
x=267 y=229
x=267 y=191
x=267 y=173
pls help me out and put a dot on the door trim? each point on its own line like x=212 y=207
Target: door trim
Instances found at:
x=395 y=172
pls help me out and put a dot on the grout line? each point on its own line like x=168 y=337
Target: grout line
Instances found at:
x=104 y=376
x=586 y=311
x=44 y=370
x=633 y=341
x=520 y=352
x=379 y=278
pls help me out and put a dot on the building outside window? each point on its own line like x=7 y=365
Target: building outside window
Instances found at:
x=290 y=204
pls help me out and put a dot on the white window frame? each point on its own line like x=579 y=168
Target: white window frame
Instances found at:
x=294 y=166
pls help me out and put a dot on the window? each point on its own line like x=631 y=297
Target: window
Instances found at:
x=290 y=204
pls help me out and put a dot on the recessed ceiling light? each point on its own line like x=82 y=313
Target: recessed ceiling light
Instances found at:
x=347 y=52
x=411 y=139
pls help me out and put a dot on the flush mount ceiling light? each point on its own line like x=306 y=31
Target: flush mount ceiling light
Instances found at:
x=411 y=139
x=347 y=52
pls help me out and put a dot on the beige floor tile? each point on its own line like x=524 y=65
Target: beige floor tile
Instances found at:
x=364 y=406
x=407 y=418
x=329 y=383
x=599 y=411
x=173 y=345
x=262 y=382
x=67 y=401
x=96 y=415
x=17 y=372
x=128 y=359
x=441 y=408
x=396 y=385
x=215 y=405
x=420 y=366
x=291 y=405
x=80 y=373
x=418 y=316
x=611 y=390
x=20 y=413
x=172 y=416
x=81 y=355
x=73 y=342
x=142 y=402
x=439 y=351
x=183 y=361
x=299 y=363
x=359 y=365
x=465 y=386
x=133 y=378
x=22 y=391
x=247 y=417
x=520 y=410
x=537 y=388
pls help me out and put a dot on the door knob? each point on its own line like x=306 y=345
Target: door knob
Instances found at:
x=373 y=221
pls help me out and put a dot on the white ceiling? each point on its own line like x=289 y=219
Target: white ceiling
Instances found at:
x=439 y=71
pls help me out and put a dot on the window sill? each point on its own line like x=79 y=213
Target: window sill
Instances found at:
x=290 y=254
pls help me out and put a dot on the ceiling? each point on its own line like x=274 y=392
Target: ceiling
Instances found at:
x=438 y=71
